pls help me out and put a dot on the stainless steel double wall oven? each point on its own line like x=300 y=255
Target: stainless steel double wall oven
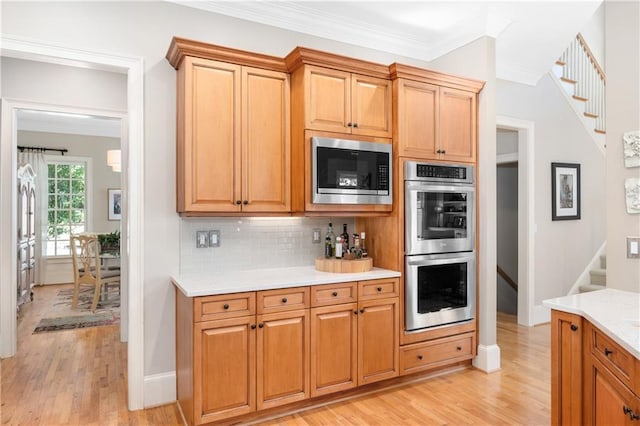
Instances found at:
x=440 y=264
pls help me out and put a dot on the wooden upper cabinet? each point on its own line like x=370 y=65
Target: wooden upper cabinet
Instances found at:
x=233 y=131
x=457 y=125
x=435 y=115
x=343 y=102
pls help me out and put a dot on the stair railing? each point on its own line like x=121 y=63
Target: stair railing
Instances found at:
x=507 y=278
x=581 y=68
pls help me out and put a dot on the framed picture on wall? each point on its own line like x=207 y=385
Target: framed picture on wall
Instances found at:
x=565 y=191
x=115 y=204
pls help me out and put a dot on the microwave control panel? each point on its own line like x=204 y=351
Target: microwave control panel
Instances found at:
x=452 y=173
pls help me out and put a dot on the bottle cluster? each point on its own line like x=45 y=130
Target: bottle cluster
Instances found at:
x=342 y=245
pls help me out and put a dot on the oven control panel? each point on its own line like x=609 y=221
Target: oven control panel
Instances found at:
x=455 y=173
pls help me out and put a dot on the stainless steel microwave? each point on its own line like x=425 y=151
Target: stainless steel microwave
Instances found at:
x=351 y=172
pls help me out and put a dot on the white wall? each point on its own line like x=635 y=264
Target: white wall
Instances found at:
x=623 y=115
x=144 y=29
x=593 y=34
x=563 y=248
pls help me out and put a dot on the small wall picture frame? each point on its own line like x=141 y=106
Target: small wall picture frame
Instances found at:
x=631 y=149
x=632 y=193
x=115 y=204
x=565 y=191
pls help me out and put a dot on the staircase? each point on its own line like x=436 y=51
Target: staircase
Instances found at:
x=598 y=277
x=583 y=82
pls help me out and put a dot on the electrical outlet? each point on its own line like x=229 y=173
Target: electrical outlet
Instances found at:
x=316 y=236
x=633 y=247
x=202 y=239
x=214 y=238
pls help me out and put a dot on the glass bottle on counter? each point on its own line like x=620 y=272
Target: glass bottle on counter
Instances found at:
x=327 y=247
x=332 y=237
x=363 y=246
x=345 y=239
x=356 y=246
x=338 y=247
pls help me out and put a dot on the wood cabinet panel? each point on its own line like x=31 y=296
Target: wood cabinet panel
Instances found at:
x=327 y=99
x=566 y=370
x=377 y=340
x=282 y=358
x=610 y=402
x=370 y=106
x=265 y=141
x=283 y=299
x=334 y=294
x=423 y=356
x=209 y=308
x=224 y=369
x=376 y=289
x=458 y=125
x=613 y=356
x=333 y=348
x=417 y=116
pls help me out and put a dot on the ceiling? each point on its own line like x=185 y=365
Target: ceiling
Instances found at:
x=529 y=35
x=68 y=123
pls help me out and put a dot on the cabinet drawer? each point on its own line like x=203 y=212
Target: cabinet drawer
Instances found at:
x=283 y=300
x=613 y=356
x=439 y=352
x=333 y=294
x=209 y=308
x=375 y=289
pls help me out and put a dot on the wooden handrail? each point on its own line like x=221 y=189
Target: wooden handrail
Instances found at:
x=592 y=58
x=507 y=278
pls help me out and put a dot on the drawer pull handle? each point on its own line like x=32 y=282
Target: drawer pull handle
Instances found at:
x=362 y=311
x=626 y=410
x=458 y=348
x=253 y=326
x=226 y=306
x=261 y=325
x=607 y=351
x=335 y=294
x=284 y=300
x=420 y=357
x=574 y=327
x=349 y=124
x=379 y=289
x=634 y=416
x=238 y=202
x=355 y=311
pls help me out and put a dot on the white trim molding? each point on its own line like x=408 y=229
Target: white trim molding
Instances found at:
x=159 y=389
x=488 y=358
x=133 y=195
x=526 y=214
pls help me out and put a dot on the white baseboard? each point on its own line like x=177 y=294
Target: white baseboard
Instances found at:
x=159 y=389
x=541 y=314
x=488 y=358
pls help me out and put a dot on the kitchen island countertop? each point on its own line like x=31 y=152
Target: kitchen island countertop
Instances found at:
x=224 y=282
x=614 y=312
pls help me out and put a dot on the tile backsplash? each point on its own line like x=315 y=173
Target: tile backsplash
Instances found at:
x=255 y=243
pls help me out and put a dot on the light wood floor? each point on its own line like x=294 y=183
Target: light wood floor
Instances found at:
x=79 y=377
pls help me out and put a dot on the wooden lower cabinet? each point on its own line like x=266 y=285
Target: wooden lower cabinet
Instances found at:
x=378 y=334
x=282 y=358
x=611 y=402
x=224 y=369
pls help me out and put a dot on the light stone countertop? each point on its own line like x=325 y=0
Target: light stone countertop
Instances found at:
x=615 y=312
x=225 y=282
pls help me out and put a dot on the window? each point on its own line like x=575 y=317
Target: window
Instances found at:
x=67 y=203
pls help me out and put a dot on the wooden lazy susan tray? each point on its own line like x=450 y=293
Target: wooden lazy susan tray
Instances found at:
x=344 y=266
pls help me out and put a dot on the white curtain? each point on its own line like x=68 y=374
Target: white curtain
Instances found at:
x=39 y=166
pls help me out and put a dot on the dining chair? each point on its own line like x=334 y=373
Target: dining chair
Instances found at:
x=87 y=270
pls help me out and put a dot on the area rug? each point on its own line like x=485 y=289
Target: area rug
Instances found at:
x=61 y=317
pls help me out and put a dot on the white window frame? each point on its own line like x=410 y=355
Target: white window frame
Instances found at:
x=88 y=185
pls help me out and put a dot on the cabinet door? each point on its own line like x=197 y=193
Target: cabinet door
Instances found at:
x=417 y=119
x=224 y=370
x=370 y=106
x=208 y=153
x=334 y=348
x=265 y=141
x=457 y=125
x=377 y=340
x=611 y=402
x=327 y=99
x=566 y=368
x=282 y=358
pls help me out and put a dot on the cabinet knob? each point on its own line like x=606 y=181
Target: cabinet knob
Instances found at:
x=607 y=351
x=379 y=289
x=349 y=125
x=458 y=348
x=238 y=202
x=284 y=300
x=225 y=306
x=574 y=327
x=355 y=311
x=245 y=202
x=355 y=124
x=626 y=410
x=253 y=326
x=419 y=356
x=443 y=151
x=261 y=325
x=335 y=294
x=634 y=416
x=439 y=151
x=362 y=311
